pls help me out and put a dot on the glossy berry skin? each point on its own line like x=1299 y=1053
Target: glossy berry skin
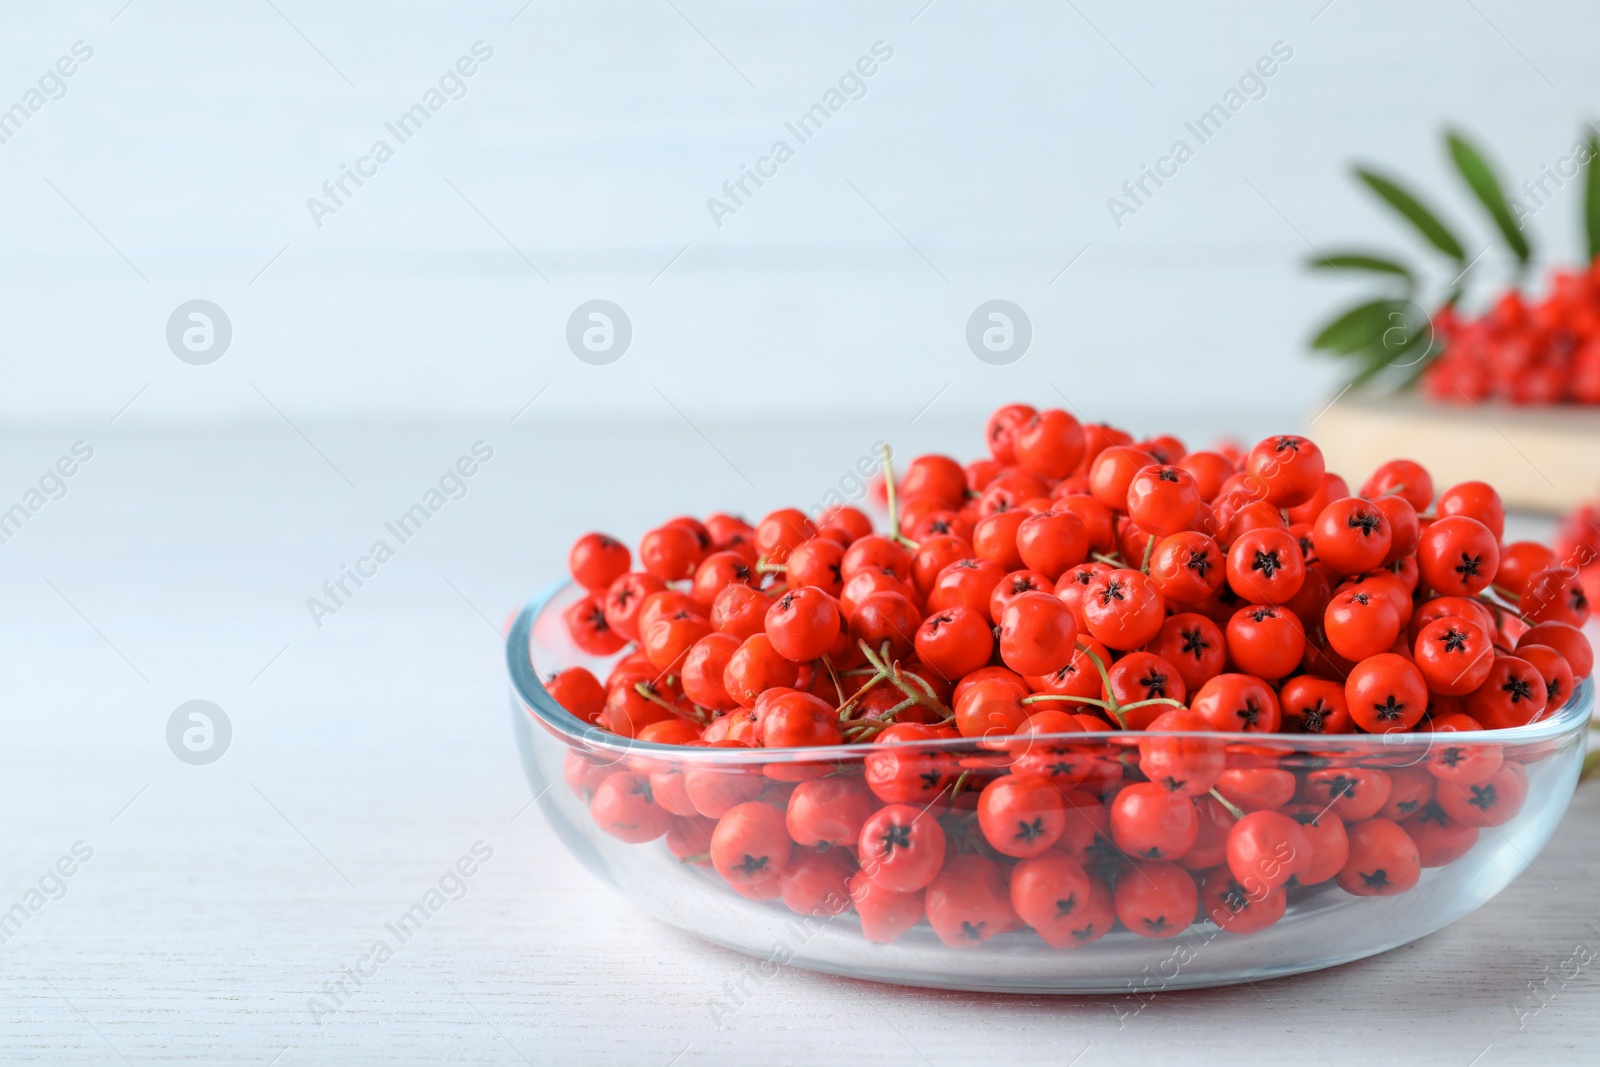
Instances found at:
x=1458 y=556
x=1454 y=656
x=1210 y=845
x=1289 y=468
x=939 y=477
x=1565 y=639
x=901 y=847
x=970 y=582
x=990 y=709
x=1142 y=676
x=817 y=884
x=1238 y=910
x=1267 y=848
x=1512 y=694
x=1257 y=788
x=781 y=531
x=1351 y=536
x=849 y=524
x=703 y=668
x=1521 y=560
x=1492 y=802
x=1440 y=840
x=1412 y=786
x=828 y=812
x=1266 y=641
x=1404 y=527
x=1359 y=623
x=1466 y=763
x=1189 y=766
x=596 y=560
x=1556 y=672
x=933 y=555
x=579 y=691
x=1383 y=860
x=751 y=848
x=624 y=599
x=1351 y=793
x=669 y=552
x=1052 y=542
x=955 y=641
x=1150 y=822
x=624 y=807
x=1012 y=586
x=1194 y=646
x=817 y=562
x=1554 y=595
x=799 y=720
x=1386 y=692
x=864 y=583
x=1122 y=609
x=1001 y=431
x=899 y=773
x=1187 y=567
x=718 y=571
x=802 y=624
x=970 y=901
x=1097 y=519
x=885 y=914
x=668 y=639
x=1330 y=845
x=1403 y=478
x=995 y=538
x=1237 y=702
x=1021 y=815
x=1475 y=500
x=885 y=619
x=740 y=611
x=1312 y=705
x=1037 y=634
x=1050 y=892
x=1156 y=899
x=591 y=631
x=1162 y=499
x=875 y=553
x=1049 y=444
x=755 y=667
x=1112 y=473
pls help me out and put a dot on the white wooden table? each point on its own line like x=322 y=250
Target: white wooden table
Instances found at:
x=371 y=754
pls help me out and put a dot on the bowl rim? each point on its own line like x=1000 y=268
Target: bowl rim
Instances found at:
x=530 y=690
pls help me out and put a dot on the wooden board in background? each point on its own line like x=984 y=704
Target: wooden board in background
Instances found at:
x=1539 y=458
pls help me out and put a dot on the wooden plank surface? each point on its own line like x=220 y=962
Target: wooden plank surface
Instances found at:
x=1541 y=458
x=371 y=754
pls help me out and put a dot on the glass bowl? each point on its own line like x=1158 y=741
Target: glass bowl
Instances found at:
x=660 y=859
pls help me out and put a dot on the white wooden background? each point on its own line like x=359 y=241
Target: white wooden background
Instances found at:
x=372 y=753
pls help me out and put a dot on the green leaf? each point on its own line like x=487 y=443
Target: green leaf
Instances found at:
x=1426 y=222
x=1360 y=261
x=1356 y=328
x=1486 y=187
x=1591 y=199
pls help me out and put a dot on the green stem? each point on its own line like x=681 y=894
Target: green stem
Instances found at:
x=1149 y=547
x=892 y=672
x=699 y=715
x=1037 y=697
x=1153 y=700
x=1105 y=679
x=1233 y=809
x=893 y=500
x=1110 y=561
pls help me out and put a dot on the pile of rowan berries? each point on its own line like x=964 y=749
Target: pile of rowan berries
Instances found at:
x=1036 y=660
x=1523 y=350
